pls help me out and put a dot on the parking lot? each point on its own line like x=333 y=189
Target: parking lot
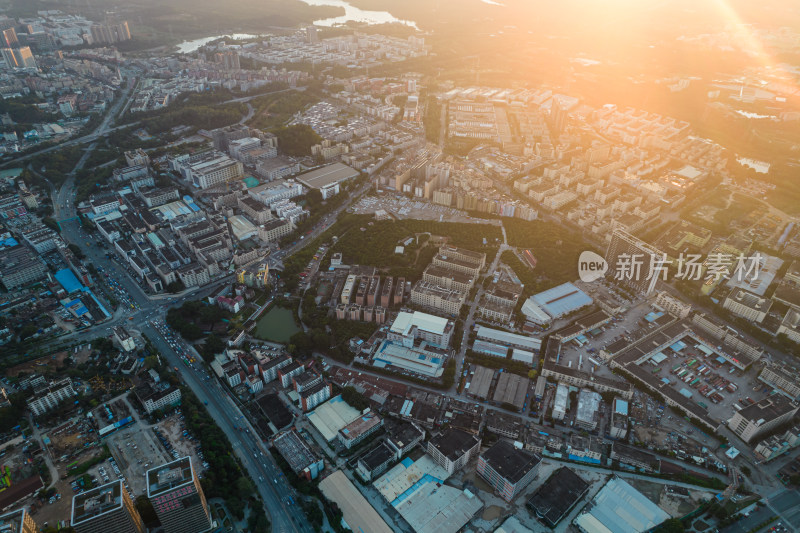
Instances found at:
x=178 y=442
x=714 y=384
x=579 y=353
x=135 y=450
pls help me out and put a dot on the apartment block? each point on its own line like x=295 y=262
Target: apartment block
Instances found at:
x=177 y=497
x=106 y=509
x=48 y=397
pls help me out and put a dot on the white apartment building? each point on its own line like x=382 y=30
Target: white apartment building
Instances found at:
x=408 y=327
x=762 y=416
x=48 y=397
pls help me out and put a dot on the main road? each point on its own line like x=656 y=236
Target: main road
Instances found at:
x=279 y=497
x=104 y=127
x=280 y=500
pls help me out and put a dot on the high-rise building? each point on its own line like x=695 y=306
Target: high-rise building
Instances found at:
x=101 y=34
x=25 y=57
x=106 y=509
x=311 y=34
x=111 y=33
x=633 y=262
x=178 y=498
x=10 y=39
x=21 y=57
x=39 y=41
x=558 y=117
x=9 y=58
x=228 y=59
x=18 y=522
x=123 y=31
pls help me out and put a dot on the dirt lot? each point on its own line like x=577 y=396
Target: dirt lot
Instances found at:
x=71 y=441
x=48 y=363
x=675 y=505
x=60 y=510
x=492 y=512
x=654 y=435
x=172 y=428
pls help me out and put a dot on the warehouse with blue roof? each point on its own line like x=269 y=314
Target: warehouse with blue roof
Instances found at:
x=555 y=303
x=67 y=279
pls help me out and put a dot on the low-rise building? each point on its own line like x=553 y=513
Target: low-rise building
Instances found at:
x=19 y=266
x=618 y=427
x=439 y=298
x=747 y=305
x=556 y=497
x=776 y=445
x=274 y=230
x=288 y=372
x=306 y=380
x=303 y=461
x=587 y=413
x=560 y=402
x=48 y=396
x=314 y=396
x=403 y=437
x=762 y=416
x=125 y=340
x=359 y=429
x=453 y=448
x=508 y=469
x=783 y=377
x=635 y=458
x=269 y=369
x=375 y=462
x=159 y=396
x=408 y=327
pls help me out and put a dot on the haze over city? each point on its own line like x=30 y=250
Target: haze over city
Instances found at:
x=423 y=266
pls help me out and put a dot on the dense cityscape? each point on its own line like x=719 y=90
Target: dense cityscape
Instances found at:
x=417 y=267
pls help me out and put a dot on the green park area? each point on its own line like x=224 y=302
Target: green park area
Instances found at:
x=276 y=325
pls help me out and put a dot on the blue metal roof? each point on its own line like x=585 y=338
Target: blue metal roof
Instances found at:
x=68 y=280
x=562 y=300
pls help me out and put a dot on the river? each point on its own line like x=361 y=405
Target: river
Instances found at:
x=190 y=46
x=356 y=14
x=350 y=13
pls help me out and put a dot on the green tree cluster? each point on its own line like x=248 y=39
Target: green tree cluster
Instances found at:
x=275 y=110
x=297 y=139
x=193 y=318
x=354 y=399
x=224 y=478
x=55 y=166
x=24 y=110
